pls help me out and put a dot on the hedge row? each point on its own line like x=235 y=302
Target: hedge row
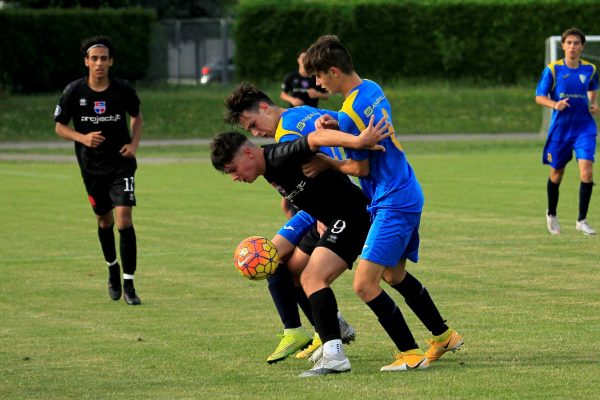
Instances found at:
x=499 y=41
x=40 y=48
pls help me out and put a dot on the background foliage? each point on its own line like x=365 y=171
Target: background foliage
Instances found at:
x=40 y=48
x=500 y=41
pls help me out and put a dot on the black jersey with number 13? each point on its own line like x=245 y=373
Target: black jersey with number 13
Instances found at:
x=100 y=111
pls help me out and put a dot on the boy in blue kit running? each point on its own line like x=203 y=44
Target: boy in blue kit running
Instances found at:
x=569 y=86
x=255 y=112
x=396 y=203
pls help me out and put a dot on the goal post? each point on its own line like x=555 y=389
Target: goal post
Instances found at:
x=591 y=53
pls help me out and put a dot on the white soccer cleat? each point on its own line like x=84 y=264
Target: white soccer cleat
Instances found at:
x=584 y=227
x=316 y=355
x=553 y=225
x=348 y=333
x=328 y=365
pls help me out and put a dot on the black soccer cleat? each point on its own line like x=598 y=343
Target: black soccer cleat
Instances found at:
x=130 y=296
x=114 y=282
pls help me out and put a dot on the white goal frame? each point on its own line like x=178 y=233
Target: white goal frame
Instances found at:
x=553 y=53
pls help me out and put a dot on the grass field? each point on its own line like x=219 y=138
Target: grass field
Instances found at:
x=526 y=303
x=185 y=112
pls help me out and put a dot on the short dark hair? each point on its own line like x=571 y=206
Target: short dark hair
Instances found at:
x=325 y=53
x=245 y=97
x=224 y=147
x=573 y=31
x=102 y=41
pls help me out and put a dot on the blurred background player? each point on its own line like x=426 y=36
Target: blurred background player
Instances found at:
x=396 y=205
x=569 y=87
x=105 y=152
x=255 y=112
x=299 y=89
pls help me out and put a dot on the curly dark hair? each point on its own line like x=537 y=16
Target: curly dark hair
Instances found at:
x=97 y=40
x=224 y=147
x=245 y=97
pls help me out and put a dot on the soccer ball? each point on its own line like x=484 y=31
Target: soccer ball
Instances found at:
x=256 y=258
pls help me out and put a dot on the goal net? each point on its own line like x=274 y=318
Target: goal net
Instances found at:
x=554 y=51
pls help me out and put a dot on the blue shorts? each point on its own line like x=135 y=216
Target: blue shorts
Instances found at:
x=558 y=154
x=394 y=235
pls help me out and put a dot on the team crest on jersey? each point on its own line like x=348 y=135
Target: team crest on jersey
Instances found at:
x=582 y=78
x=82 y=102
x=100 y=107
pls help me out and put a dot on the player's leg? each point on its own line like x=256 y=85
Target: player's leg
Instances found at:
x=337 y=249
x=299 y=260
x=282 y=289
x=384 y=248
x=556 y=155
x=97 y=188
x=123 y=197
x=585 y=149
x=323 y=268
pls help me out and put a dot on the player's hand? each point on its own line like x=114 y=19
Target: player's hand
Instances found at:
x=562 y=104
x=317 y=164
x=321 y=228
x=326 y=121
x=594 y=109
x=296 y=102
x=372 y=135
x=128 y=150
x=92 y=139
x=312 y=93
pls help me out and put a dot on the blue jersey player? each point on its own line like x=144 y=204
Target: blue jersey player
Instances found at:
x=255 y=112
x=396 y=204
x=569 y=86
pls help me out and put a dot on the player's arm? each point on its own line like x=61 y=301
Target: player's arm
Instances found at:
x=317 y=94
x=368 y=138
x=92 y=139
x=135 y=124
x=290 y=99
x=546 y=101
x=348 y=166
x=593 y=98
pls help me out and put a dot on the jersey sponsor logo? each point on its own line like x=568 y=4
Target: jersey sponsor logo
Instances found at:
x=297 y=191
x=100 y=107
x=83 y=102
x=582 y=78
x=371 y=109
x=57 y=111
x=300 y=125
x=97 y=120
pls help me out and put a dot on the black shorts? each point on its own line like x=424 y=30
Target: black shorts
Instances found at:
x=105 y=192
x=310 y=240
x=347 y=237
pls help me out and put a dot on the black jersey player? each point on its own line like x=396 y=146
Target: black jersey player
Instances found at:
x=332 y=199
x=105 y=150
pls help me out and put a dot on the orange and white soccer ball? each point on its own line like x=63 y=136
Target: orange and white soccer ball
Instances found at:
x=256 y=258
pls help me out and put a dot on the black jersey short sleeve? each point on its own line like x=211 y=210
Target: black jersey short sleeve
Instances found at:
x=64 y=109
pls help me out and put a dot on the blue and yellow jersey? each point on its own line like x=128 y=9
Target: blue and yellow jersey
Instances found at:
x=295 y=123
x=391 y=182
x=560 y=82
x=300 y=121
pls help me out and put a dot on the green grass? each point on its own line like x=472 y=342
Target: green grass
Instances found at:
x=526 y=303
x=189 y=112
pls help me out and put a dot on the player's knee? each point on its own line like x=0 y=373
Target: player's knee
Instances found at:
x=363 y=290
